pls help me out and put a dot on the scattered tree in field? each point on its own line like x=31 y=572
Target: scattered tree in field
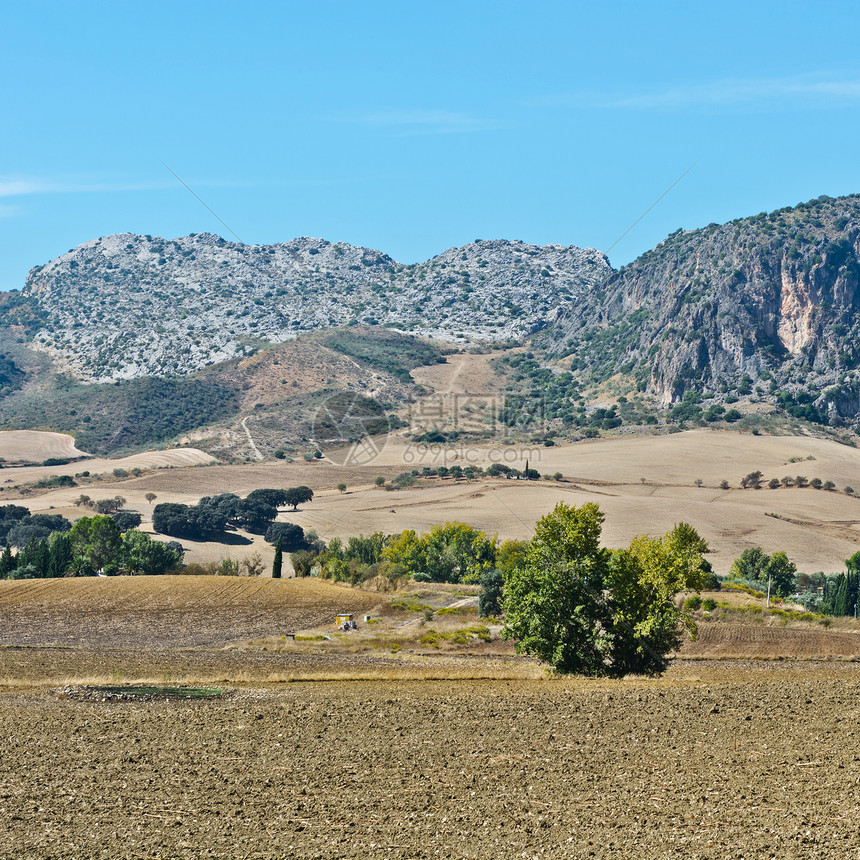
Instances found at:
x=752 y=481
x=584 y=609
x=829 y=486
x=143 y=555
x=380 y=481
x=296 y=496
x=788 y=481
x=752 y=565
x=212 y=515
x=7 y=562
x=801 y=481
x=358 y=560
x=20 y=532
x=303 y=561
x=774 y=483
x=291 y=536
x=782 y=573
x=342 y=487
x=60 y=547
x=150 y=497
x=98 y=540
x=816 y=483
x=126 y=520
x=252 y=565
x=724 y=484
x=278 y=563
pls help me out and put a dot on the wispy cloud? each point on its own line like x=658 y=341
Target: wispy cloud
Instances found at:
x=18 y=186
x=405 y=122
x=7 y=211
x=724 y=93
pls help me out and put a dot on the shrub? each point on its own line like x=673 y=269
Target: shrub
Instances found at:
x=490 y=598
x=709 y=604
x=56 y=481
x=303 y=562
x=691 y=604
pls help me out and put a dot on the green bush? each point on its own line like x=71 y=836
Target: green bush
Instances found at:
x=691 y=604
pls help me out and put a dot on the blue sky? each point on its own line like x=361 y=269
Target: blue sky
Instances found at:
x=412 y=127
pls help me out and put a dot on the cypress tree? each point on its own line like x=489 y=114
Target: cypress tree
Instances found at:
x=840 y=601
x=7 y=562
x=278 y=563
x=851 y=592
x=61 y=554
x=41 y=559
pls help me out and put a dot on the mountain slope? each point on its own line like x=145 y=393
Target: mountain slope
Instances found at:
x=282 y=389
x=126 y=306
x=765 y=307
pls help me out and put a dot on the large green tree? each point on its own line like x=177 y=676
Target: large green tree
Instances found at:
x=98 y=540
x=555 y=607
x=757 y=566
x=584 y=609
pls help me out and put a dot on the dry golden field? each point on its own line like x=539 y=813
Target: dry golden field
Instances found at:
x=644 y=484
x=34 y=446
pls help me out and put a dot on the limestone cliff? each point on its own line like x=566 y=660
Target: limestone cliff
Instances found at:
x=763 y=306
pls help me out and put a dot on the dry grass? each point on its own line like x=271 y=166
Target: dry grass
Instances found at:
x=817 y=529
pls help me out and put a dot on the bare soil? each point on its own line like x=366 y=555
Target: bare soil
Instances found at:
x=762 y=766
x=318 y=752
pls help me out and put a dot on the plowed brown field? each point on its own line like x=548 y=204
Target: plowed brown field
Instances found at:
x=302 y=759
x=752 y=768
x=167 y=611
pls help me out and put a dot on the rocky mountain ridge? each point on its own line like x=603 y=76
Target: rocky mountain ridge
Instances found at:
x=763 y=307
x=126 y=306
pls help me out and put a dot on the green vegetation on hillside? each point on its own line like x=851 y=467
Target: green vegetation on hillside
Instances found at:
x=20 y=309
x=390 y=351
x=124 y=415
x=11 y=376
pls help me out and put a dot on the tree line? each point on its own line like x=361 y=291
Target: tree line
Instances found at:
x=93 y=545
x=213 y=516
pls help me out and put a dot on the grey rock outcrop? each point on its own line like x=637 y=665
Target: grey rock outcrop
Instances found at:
x=125 y=306
x=767 y=305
